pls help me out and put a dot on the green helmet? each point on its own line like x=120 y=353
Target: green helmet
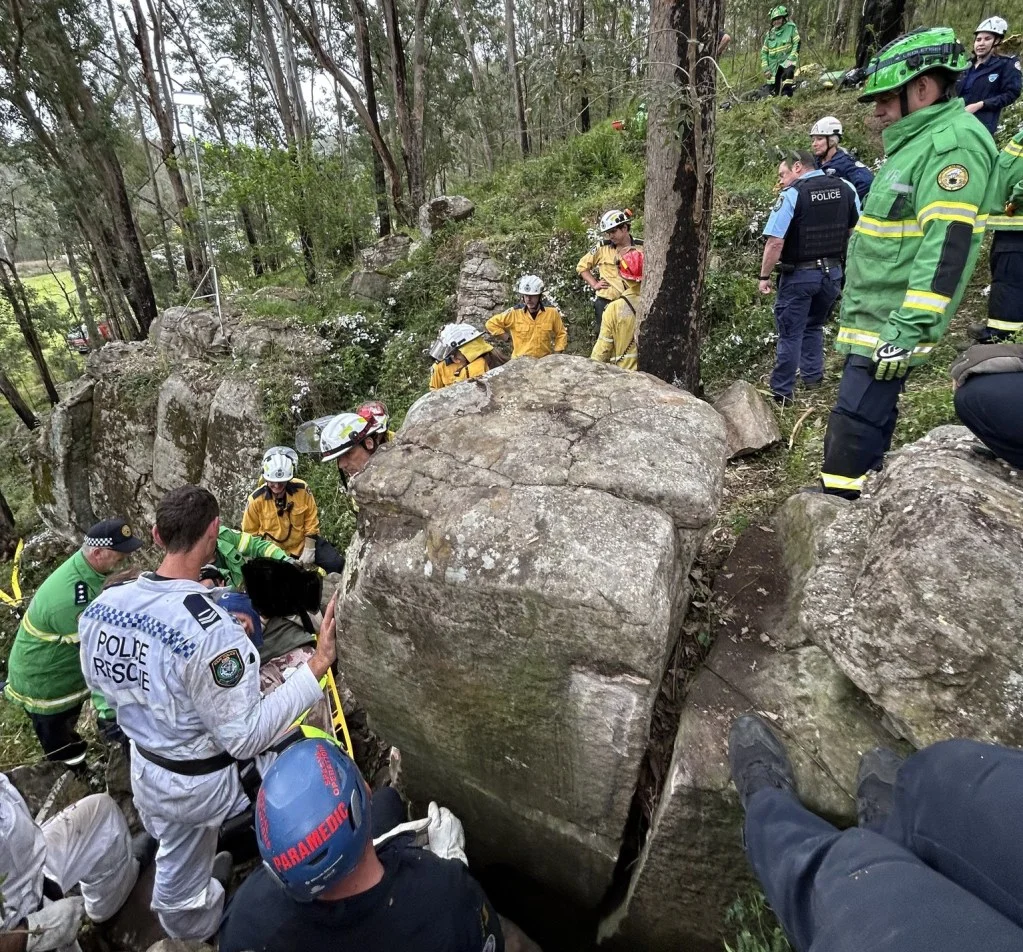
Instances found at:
x=776 y=12
x=911 y=55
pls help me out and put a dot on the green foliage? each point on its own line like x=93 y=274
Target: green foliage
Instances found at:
x=754 y=925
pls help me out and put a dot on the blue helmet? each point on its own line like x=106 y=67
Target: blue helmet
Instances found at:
x=235 y=603
x=312 y=817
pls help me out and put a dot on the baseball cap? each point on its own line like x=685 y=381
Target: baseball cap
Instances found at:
x=113 y=534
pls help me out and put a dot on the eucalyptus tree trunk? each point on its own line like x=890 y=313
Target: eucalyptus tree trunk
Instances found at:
x=518 y=95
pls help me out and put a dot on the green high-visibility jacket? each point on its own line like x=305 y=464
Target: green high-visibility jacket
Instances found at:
x=916 y=243
x=780 y=46
x=1007 y=187
x=234 y=547
x=44 y=668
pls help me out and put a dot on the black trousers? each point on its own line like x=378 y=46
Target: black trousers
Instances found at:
x=991 y=405
x=58 y=737
x=599 y=304
x=1005 y=302
x=784 y=80
x=327 y=557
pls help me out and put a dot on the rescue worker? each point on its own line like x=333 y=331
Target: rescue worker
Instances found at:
x=914 y=248
x=989 y=398
x=779 y=55
x=234 y=547
x=992 y=82
x=184 y=680
x=1005 y=220
x=348 y=438
x=283 y=510
x=536 y=327
x=85 y=845
x=461 y=353
x=341 y=871
x=807 y=234
x=617 y=341
x=44 y=667
x=825 y=136
x=599 y=266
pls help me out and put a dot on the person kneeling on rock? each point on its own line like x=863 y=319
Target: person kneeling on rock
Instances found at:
x=461 y=353
x=988 y=381
x=86 y=845
x=341 y=870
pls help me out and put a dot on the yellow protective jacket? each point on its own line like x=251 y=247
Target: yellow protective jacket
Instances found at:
x=476 y=352
x=603 y=260
x=617 y=341
x=531 y=336
x=287 y=526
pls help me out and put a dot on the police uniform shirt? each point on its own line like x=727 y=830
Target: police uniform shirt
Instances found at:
x=785 y=207
x=423 y=903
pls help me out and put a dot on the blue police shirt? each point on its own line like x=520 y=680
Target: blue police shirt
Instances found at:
x=995 y=83
x=781 y=215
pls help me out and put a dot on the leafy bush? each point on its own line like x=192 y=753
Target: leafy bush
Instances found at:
x=756 y=929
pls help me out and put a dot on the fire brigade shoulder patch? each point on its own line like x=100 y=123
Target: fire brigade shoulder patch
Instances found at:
x=953 y=177
x=227 y=668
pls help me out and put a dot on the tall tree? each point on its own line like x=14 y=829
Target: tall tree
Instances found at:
x=478 y=85
x=18 y=404
x=582 y=65
x=881 y=22
x=680 y=186
x=518 y=96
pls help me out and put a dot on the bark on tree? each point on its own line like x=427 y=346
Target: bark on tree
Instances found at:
x=583 y=68
x=8 y=531
x=513 y=73
x=17 y=402
x=881 y=22
x=478 y=86
x=841 y=26
x=680 y=186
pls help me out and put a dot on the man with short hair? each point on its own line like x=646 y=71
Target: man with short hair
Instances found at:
x=536 y=327
x=616 y=343
x=914 y=249
x=44 y=668
x=825 y=136
x=807 y=234
x=992 y=82
x=183 y=679
x=599 y=266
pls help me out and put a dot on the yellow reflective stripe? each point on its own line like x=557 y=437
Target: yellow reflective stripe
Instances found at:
x=832 y=481
x=948 y=211
x=925 y=301
x=1005 y=222
x=72 y=638
x=1014 y=148
x=46 y=703
x=1004 y=325
x=876 y=228
x=243 y=542
x=849 y=335
x=610 y=340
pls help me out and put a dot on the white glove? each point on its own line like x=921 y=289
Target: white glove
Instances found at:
x=447 y=838
x=308 y=552
x=55 y=925
x=417 y=827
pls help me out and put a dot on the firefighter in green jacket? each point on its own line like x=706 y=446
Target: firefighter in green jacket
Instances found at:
x=779 y=55
x=1005 y=301
x=234 y=547
x=44 y=668
x=913 y=249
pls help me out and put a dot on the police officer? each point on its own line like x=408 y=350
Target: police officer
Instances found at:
x=599 y=266
x=914 y=248
x=779 y=56
x=1005 y=221
x=183 y=679
x=992 y=82
x=825 y=136
x=325 y=884
x=807 y=233
x=44 y=668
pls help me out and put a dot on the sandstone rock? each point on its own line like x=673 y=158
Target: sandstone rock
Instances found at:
x=263 y=338
x=61 y=462
x=189 y=332
x=49 y=546
x=439 y=211
x=385 y=252
x=513 y=595
x=751 y=424
x=182 y=413
x=692 y=866
x=46 y=787
x=482 y=289
x=913 y=590
x=116 y=357
x=236 y=436
x=371 y=285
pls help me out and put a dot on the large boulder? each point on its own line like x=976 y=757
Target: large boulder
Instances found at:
x=387 y=251
x=371 y=285
x=189 y=332
x=750 y=422
x=914 y=589
x=513 y=595
x=263 y=338
x=482 y=289
x=182 y=412
x=439 y=211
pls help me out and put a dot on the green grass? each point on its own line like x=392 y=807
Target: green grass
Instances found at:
x=754 y=926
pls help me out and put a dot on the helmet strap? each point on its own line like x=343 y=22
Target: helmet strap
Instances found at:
x=904 y=99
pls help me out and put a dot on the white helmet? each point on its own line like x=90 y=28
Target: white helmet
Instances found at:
x=529 y=284
x=279 y=464
x=612 y=219
x=995 y=25
x=453 y=336
x=827 y=126
x=331 y=436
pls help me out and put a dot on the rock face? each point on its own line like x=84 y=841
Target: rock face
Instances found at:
x=914 y=590
x=439 y=211
x=482 y=289
x=371 y=285
x=387 y=251
x=514 y=593
x=189 y=332
x=749 y=420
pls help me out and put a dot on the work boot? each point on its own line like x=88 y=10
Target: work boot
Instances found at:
x=781 y=399
x=979 y=332
x=875 y=787
x=812 y=384
x=223 y=865
x=757 y=759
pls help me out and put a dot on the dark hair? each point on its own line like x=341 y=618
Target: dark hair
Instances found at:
x=183 y=515
x=804 y=158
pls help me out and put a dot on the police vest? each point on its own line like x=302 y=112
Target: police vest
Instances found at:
x=820 y=223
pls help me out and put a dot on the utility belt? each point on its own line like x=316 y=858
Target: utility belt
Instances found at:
x=822 y=264
x=201 y=766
